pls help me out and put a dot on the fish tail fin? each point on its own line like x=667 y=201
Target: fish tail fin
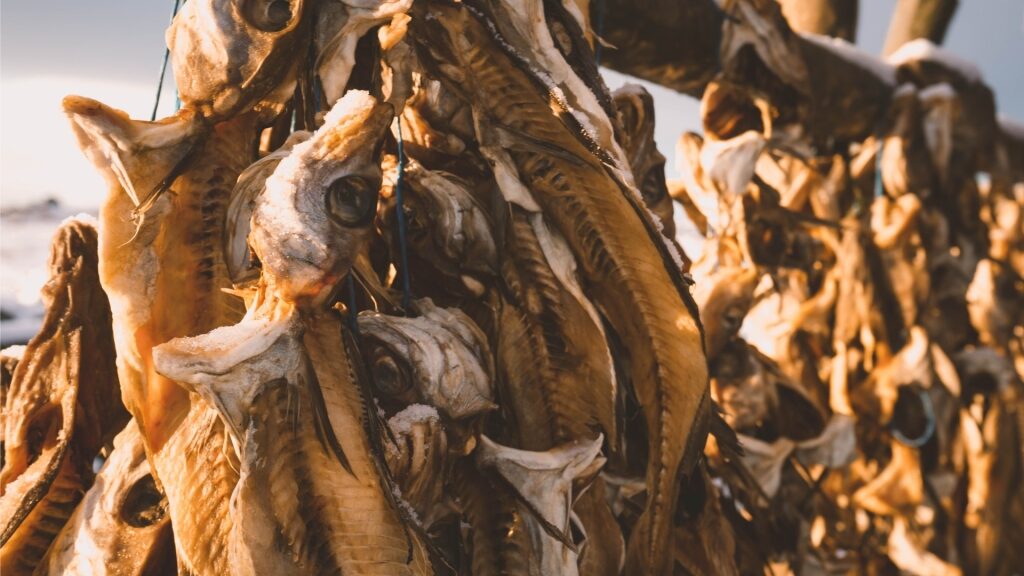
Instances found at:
x=142 y=157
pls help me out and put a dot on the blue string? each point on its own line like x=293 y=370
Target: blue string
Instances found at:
x=353 y=309
x=879 y=188
x=163 y=73
x=929 y=429
x=400 y=217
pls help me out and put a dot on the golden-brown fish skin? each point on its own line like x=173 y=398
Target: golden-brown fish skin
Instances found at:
x=164 y=272
x=317 y=208
x=121 y=527
x=231 y=56
x=63 y=405
x=498 y=543
x=623 y=269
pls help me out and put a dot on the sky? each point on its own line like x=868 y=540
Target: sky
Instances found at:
x=111 y=50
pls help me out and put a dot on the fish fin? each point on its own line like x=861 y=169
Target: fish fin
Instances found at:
x=143 y=157
x=728 y=442
x=322 y=422
x=230 y=366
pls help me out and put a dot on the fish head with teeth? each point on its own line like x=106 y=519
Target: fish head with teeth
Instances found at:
x=317 y=209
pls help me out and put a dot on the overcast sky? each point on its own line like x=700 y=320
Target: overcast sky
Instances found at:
x=111 y=50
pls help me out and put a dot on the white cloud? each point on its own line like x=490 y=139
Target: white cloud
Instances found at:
x=38 y=153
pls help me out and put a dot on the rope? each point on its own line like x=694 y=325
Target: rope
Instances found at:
x=879 y=187
x=600 y=32
x=353 y=308
x=929 y=429
x=400 y=218
x=163 y=73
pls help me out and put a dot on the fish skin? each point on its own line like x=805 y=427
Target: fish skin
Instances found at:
x=231 y=56
x=564 y=387
x=635 y=107
x=282 y=383
x=62 y=406
x=164 y=274
x=99 y=539
x=304 y=251
x=498 y=540
x=292 y=491
x=624 y=271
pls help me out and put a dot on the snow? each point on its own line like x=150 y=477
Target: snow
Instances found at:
x=849 y=52
x=402 y=422
x=940 y=91
x=1011 y=128
x=924 y=50
x=16 y=351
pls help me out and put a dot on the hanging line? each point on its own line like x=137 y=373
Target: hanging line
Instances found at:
x=163 y=73
x=400 y=218
x=879 y=187
x=353 y=311
x=929 y=426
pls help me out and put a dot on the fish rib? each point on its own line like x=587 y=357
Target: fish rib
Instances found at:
x=622 y=267
x=499 y=543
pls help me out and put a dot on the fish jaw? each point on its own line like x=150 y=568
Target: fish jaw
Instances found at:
x=230 y=56
x=305 y=250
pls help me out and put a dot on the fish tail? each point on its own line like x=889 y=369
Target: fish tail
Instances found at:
x=142 y=157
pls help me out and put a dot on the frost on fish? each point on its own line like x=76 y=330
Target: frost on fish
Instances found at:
x=241 y=264
x=439 y=357
x=317 y=207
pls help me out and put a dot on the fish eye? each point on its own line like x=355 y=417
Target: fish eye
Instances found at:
x=269 y=16
x=351 y=200
x=654 y=188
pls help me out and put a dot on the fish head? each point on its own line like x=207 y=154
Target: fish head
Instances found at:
x=635 y=107
x=231 y=55
x=141 y=158
x=440 y=358
x=316 y=211
x=448 y=232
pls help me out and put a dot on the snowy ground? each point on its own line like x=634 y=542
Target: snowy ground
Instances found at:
x=25 y=235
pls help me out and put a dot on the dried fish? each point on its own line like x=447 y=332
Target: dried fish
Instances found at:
x=231 y=57
x=121 y=526
x=440 y=357
x=643 y=294
x=63 y=405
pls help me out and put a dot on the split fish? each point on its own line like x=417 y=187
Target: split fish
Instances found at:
x=164 y=271
x=624 y=265
x=63 y=404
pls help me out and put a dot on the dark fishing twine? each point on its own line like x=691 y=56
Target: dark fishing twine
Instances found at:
x=929 y=429
x=879 y=187
x=353 y=308
x=163 y=73
x=400 y=218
